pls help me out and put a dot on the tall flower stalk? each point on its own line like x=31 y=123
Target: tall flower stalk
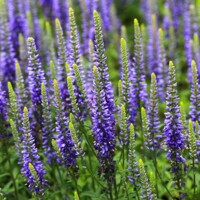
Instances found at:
x=173 y=128
x=195 y=94
x=32 y=167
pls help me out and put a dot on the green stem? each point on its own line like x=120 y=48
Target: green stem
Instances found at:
x=93 y=183
x=54 y=175
x=156 y=166
x=91 y=173
x=157 y=172
x=123 y=156
x=76 y=185
x=127 y=195
x=82 y=129
x=194 y=178
x=10 y=170
x=137 y=194
x=143 y=144
x=110 y=191
x=60 y=177
x=115 y=188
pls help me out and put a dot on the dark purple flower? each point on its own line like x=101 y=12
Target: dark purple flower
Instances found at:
x=103 y=126
x=63 y=137
x=173 y=126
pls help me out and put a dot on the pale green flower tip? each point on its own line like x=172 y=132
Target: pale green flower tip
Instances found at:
x=57 y=21
x=194 y=64
x=141 y=162
x=47 y=25
x=153 y=76
x=43 y=87
x=25 y=110
x=55 y=83
x=10 y=86
x=123 y=108
x=95 y=13
x=171 y=66
x=71 y=11
x=160 y=31
x=136 y=23
x=17 y=66
x=190 y=123
x=123 y=42
x=30 y=166
x=75 y=66
x=69 y=80
x=131 y=127
x=95 y=70
x=53 y=142
x=30 y=40
x=143 y=110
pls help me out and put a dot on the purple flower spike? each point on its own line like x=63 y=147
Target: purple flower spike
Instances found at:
x=173 y=126
x=30 y=155
x=35 y=72
x=195 y=95
x=103 y=128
